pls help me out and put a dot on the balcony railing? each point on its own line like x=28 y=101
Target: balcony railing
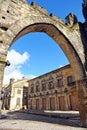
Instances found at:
x=72 y=84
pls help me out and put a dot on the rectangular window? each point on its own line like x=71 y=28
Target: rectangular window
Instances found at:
x=51 y=85
x=37 y=88
x=32 y=89
x=60 y=82
x=18 y=102
x=43 y=87
x=69 y=79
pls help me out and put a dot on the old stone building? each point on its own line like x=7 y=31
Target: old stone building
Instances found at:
x=55 y=90
x=16 y=94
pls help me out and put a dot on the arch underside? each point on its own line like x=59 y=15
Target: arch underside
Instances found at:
x=61 y=40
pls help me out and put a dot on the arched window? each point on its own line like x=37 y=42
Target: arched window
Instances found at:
x=37 y=86
x=43 y=85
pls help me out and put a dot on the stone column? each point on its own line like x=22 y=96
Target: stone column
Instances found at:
x=40 y=102
x=47 y=102
x=82 y=95
x=2 y=67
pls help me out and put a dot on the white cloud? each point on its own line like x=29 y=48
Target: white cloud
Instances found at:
x=60 y=66
x=30 y=76
x=17 y=60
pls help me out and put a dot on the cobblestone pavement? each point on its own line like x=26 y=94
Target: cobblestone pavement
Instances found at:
x=25 y=121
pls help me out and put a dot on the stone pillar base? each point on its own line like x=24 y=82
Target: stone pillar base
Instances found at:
x=82 y=96
x=83 y=112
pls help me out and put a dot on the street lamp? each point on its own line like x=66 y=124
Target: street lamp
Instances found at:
x=7 y=63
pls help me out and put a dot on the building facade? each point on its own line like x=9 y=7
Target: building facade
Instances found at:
x=16 y=93
x=55 y=90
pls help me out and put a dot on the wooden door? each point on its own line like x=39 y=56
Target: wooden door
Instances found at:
x=62 y=103
x=44 y=103
x=73 y=102
x=31 y=104
x=37 y=104
x=52 y=103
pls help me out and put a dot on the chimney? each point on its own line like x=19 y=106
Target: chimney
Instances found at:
x=12 y=80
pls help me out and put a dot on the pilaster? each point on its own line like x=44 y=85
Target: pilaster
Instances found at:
x=82 y=96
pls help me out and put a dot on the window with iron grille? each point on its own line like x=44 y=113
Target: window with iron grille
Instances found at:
x=37 y=88
x=43 y=87
x=32 y=90
x=51 y=85
x=69 y=79
x=60 y=82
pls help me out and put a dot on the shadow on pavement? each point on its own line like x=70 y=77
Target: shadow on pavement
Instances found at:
x=56 y=118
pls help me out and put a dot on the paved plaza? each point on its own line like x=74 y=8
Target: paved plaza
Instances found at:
x=27 y=121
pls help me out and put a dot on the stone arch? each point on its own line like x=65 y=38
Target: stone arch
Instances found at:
x=18 y=18
x=67 y=35
x=60 y=39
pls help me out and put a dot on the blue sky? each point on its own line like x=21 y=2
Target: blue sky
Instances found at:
x=61 y=8
x=36 y=53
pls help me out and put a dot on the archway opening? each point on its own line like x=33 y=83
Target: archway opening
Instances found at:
x=32 y=55
x=60 y=39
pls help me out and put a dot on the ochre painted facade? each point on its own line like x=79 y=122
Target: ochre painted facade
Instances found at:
x=55 y=90
x=16 y=95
